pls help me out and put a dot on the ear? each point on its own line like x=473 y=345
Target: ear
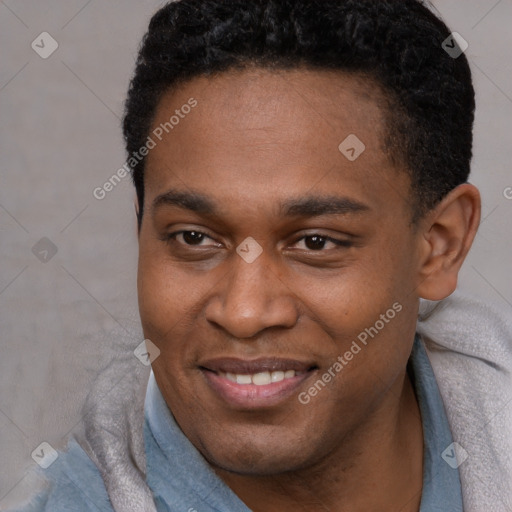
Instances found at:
x=447 y=233
x=137 y=210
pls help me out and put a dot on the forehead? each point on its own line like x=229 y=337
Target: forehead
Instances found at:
x=259 y=134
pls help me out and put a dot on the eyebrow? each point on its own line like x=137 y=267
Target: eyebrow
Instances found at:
x=308 y=206
x=316 y=206
x=186 y=200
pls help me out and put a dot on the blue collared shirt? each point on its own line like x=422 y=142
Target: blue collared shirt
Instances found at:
x=442 y=490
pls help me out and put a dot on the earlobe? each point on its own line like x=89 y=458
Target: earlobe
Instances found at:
x=447 y=234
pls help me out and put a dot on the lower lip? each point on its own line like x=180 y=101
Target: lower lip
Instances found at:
x=251 y=396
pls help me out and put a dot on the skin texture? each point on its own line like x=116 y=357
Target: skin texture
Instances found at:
x=257 y=140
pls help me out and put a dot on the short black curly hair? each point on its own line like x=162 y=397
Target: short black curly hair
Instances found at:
x=397 y=43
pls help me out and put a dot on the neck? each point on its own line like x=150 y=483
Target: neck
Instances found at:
x=377 y=467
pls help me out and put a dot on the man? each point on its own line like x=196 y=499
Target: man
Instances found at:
x=301 y=174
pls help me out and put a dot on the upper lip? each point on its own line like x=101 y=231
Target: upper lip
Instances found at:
x=245 y=366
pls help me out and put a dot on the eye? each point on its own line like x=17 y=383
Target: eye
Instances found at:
x=191 y=238
x=318 y=242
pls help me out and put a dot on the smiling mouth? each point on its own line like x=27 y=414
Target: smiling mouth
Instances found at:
x=257 y=383
x=261 y=378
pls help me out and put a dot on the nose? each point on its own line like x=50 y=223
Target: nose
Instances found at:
x=252 y=297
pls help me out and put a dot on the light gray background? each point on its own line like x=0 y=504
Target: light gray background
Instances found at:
x=61 y=138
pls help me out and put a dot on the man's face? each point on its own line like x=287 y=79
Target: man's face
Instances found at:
x=258 y=157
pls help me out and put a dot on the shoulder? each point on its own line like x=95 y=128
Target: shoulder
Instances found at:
x=466 y=327
x=468 y=344
x=71 y=484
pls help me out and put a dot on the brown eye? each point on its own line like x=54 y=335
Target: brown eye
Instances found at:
x=315 y=242
x=190 y=238
x=321 y=243
x=193 y=237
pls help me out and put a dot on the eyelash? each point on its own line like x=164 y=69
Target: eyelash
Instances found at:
x=171 y=237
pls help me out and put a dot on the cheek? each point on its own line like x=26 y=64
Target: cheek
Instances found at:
x=161 y=293
x=368 y=303
x=156 y=300
x=167 y=313
x=171 y=297
x=354 y=297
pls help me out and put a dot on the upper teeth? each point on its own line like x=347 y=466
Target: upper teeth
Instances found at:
x=260 y=379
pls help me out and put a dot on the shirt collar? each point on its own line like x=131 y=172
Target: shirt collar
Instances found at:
x=441 y=481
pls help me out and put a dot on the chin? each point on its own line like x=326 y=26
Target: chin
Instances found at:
x=257 y=458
